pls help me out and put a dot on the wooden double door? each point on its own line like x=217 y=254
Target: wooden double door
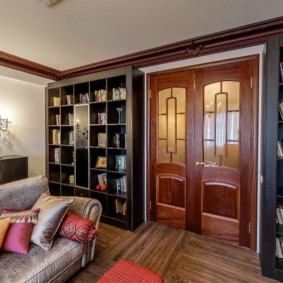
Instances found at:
x=202 y=150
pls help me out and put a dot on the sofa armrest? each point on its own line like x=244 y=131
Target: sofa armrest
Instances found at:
x=90 y=209
x=87 y=208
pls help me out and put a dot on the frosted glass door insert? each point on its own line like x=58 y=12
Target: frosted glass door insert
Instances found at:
x=221 y=123
x=172 y=125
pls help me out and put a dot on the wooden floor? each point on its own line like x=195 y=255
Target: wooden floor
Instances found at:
x=177 y=255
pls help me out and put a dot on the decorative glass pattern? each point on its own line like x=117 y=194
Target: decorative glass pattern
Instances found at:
x=172 y=125
x=221 y=127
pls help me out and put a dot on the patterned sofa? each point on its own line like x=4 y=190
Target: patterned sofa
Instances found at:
x=64 y=258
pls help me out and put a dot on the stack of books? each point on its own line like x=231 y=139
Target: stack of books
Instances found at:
x=280 y=149
x=121 y=206
x=121 y=162
x=100 y=95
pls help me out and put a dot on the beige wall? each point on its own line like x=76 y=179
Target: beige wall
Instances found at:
x=23 y=103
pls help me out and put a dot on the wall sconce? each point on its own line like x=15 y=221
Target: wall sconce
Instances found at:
x=78 y=125
x=4 y=124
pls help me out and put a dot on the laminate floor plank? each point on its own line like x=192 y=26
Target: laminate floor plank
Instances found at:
x=177 y=255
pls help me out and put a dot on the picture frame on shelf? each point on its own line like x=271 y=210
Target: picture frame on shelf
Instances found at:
x=101 y=162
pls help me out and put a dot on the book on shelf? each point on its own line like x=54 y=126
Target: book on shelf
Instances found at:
x=58 y=119
x=102 y=118
x=279 y=214
x=121 y=184
x=72 y=179
x=83 y=98
x=71 y=119
x=119 y=140
x=69 y=99
x=57 y=151
x=102 y=179
x=102 y=140
x=119 y=93
x=56 y=101
x=121 y=162
x=71 y=137
x=121 y=206
x=56 y=136
x=100 y=95
x=280 y=109
x=279 y=246
x=280 y=148
x=281 y=71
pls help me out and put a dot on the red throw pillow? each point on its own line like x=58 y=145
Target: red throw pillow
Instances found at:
x=17 y=238
x=78 y=229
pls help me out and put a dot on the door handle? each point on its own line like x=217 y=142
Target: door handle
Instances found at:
x=200 y=163
x=204 y=163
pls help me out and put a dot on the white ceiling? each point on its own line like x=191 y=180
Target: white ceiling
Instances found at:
x=73 y=33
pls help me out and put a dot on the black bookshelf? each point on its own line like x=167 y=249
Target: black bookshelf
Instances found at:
x=272 y=193
x=124 y=132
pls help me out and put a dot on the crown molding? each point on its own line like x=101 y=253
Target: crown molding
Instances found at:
x=240 y=37
x=23 y=65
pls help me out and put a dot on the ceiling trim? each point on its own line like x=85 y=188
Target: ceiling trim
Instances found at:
x=23 y=65
x=240 y=37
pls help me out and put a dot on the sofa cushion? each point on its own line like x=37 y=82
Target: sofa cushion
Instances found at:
x=22 y=194
x=39 y=265
x=26 y=216
x=4 y=225
x=77 y=228
x=52 y=212
x=18 y=236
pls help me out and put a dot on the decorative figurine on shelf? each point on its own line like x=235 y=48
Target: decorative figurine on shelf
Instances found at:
x=119 y=109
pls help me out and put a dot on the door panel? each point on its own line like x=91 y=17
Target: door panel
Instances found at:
x=220 y=199
x=223 y=112
x=169 y=154
x=222 y=229
x=171 y=190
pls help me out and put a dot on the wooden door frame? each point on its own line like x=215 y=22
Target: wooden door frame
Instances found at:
x=254 y=152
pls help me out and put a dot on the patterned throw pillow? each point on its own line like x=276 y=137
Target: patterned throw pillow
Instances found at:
x=4 y=225
x=17 y=238
x=78 y=229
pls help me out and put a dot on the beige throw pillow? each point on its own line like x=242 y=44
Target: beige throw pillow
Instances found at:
x=52 y=212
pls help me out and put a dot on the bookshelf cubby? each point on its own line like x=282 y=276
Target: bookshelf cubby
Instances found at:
x=114 y=104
